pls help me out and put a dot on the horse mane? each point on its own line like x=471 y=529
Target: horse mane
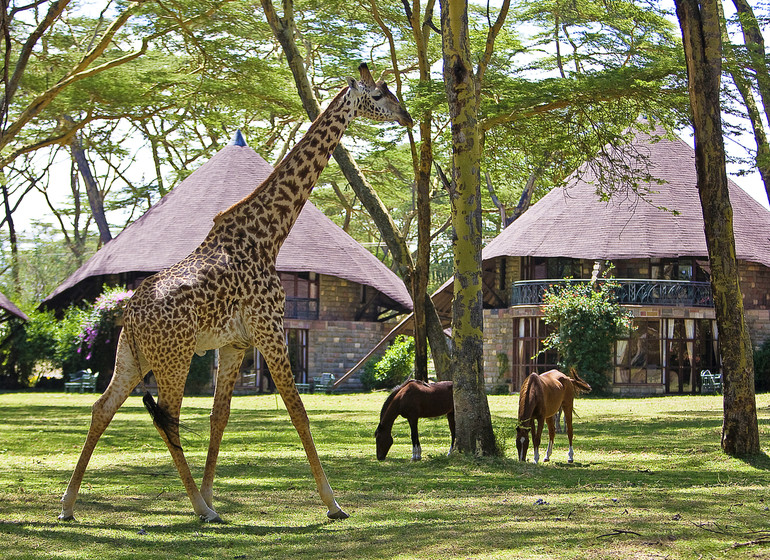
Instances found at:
x=392 y=396
x=580 y=385
x=531 y=386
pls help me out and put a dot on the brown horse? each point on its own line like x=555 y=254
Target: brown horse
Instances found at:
x=413 y=400
x=540 y=398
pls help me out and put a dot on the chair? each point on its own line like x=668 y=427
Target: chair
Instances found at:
x=710 y=383
x=325 y=383
x=82 y=381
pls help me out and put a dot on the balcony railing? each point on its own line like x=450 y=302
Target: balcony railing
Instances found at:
x=301 y=308
x=628 y=292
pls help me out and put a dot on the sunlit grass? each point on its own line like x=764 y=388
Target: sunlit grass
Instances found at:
x=649 y=481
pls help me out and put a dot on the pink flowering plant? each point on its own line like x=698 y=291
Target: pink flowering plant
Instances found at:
x=97 y=338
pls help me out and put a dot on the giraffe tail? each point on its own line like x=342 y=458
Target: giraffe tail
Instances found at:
x=162 y=418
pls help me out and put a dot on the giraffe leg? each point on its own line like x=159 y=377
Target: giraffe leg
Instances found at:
x=170 y=403
x=278 y=362
x=229 y=362
x=127 y=375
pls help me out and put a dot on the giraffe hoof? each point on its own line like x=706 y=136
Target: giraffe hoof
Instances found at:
x=214 y=519
x=339 y=514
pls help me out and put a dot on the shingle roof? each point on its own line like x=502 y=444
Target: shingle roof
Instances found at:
x=11 y=309
x=573 y=222
x=178 y=223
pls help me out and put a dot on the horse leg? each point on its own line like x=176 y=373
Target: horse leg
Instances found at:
x=568 y=422
x=551 y=432
x=536 y=435
x=229 y=362
x=125 y=378
x=451 y=419
x=416 y=449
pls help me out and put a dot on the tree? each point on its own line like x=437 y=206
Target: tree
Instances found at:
x=284 y=29
x=749 y=70
x=700 y=24
x=473 y=421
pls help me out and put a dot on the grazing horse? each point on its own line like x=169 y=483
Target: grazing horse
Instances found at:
x=540 y=398
x=413 y=400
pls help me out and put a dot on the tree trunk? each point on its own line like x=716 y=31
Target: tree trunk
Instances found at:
x=12 y=239
x=284 y=30
x=95 y=200
x=755 y=46
x=472 y=417
x=700 y=26
x=423 y=163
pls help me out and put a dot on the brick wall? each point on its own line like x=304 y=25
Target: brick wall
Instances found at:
x=336 y=346
x=498 y=345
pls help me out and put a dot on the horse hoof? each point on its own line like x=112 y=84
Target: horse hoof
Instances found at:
x=546 y=460
x=570 y=460
x=63 y=517
x=214 y=519
x=339 y=514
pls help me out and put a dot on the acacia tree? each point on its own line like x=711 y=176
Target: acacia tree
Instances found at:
x=701 y=36
x=415 y=277
x=472 y=417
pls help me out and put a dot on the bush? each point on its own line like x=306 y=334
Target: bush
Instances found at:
x=762 y=367
x=588 y=321
x=395 y=366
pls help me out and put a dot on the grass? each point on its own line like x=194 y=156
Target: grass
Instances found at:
x=649 y=481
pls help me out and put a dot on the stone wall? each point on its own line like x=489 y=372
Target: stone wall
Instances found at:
x=498 y=345
x=336 y=346
x=339 y=299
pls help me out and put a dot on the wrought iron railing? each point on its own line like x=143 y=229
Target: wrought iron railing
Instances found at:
x=301 y=308
x=628 y=292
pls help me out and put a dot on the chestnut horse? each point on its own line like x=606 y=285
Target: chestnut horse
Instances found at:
x=540 y=398
x=412 y=400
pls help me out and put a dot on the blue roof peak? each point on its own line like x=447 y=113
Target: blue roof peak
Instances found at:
x=238 y=139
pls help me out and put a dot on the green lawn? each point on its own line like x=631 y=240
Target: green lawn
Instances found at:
x=649 y=481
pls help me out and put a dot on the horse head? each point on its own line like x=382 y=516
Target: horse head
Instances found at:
x=522 y=438
x=384 y=440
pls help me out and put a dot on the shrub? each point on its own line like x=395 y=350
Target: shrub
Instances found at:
x=762 y=367
x=98 y=332
x=395 y=366
x=588 y=321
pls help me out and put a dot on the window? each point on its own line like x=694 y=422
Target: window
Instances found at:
x=301 y=294
x=255 y=375
x=549 y=268
x=667 y=351
x=529 y=333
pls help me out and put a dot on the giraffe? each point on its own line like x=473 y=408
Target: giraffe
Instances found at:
x=227 y=295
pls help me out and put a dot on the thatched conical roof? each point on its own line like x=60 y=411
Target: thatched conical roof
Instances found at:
x=179 y=222
x=573 y=222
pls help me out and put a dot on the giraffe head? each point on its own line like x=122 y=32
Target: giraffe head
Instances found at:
x=375 y=100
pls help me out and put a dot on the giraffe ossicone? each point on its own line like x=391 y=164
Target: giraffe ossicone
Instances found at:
x=227 y=295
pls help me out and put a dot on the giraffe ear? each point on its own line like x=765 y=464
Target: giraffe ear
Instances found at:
x=352 y=83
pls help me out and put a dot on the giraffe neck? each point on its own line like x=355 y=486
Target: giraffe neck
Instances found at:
x=270 y=211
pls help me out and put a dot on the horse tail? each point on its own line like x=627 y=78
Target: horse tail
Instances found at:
x=526 y=394
x=580 y=385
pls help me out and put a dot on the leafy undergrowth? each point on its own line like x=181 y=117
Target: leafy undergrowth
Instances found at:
x=649 y=481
